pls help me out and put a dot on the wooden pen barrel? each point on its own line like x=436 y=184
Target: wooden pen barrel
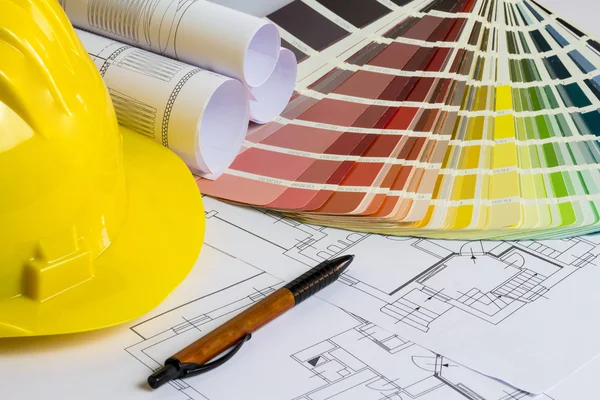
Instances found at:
x=230 y=333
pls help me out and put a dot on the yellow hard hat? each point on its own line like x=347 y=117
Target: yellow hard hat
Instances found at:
x=97 y=224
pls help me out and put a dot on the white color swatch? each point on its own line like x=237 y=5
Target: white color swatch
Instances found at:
x=200 y=115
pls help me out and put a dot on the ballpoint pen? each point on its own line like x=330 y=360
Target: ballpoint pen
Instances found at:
x=193 y=360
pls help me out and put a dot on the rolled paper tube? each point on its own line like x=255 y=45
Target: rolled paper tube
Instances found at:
x=199 y=33
x=269 y=100
x=200 y=115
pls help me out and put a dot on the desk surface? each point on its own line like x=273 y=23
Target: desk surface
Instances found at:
x=582 y=13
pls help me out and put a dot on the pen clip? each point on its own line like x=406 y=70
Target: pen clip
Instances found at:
x=191 y=369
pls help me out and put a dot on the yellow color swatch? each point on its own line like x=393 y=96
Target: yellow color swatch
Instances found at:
x=504 y=178
x=470 y=157
x=504 y=98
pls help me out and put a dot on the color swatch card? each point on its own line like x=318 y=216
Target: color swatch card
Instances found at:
x=433 y=118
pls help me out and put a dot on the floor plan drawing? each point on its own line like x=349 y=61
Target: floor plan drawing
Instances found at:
x=491 y=280
x=316 y=351
x=200 y=315
x=331 y=355
x=452 y=297
x=367 y=362
x=514 y=276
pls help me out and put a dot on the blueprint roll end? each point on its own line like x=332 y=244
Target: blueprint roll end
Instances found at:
x=270 y=99
x=209 y=120
x=262 y=55
x=228 y=42
x=222 y=128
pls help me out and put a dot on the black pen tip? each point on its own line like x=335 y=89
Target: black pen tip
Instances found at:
x=345 y=259
x=343 y=262
x=162 y=376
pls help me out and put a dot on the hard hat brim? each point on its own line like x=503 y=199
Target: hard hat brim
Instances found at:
x=156 y=249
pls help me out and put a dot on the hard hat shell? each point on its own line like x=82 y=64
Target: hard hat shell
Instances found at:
x=98 y=224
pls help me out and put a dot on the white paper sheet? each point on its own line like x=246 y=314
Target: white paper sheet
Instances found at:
x=315 y=351
x=579 y=386
x=523 y=312
x=193 y=31
x=200 y=115
x=258 y=8
x=269 y=100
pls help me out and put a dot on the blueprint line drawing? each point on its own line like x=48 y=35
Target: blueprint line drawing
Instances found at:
x=133 y=20
x=354 y=359
x=139 y=61
x=525 y=273
x=200 y=315
x=119 y=59
x=133 y=113
x=167 y=100
x=149 y=24
x=459 y=298
x=170 y=104
x=493 y=280
x=104 y=61
x=420 y=374
x=152 y=65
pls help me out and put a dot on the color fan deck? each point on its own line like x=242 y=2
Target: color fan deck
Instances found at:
x=470 y=119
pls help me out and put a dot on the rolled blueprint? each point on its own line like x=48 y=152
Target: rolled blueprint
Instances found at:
x=201 y=115
x=196 y=32
x=269 y=100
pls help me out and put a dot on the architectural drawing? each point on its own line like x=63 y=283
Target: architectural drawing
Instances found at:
x=492 y=280
x=522 y=273
x=103 y=60
x=138 y=61
x=165 y=332
x=345 y=357
x=367 y=362
x=148 y=24
x=133 y=20
x=152 y=65
x=171 y=103
x=485 y=304
x=133 y=113
x=127 y=70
